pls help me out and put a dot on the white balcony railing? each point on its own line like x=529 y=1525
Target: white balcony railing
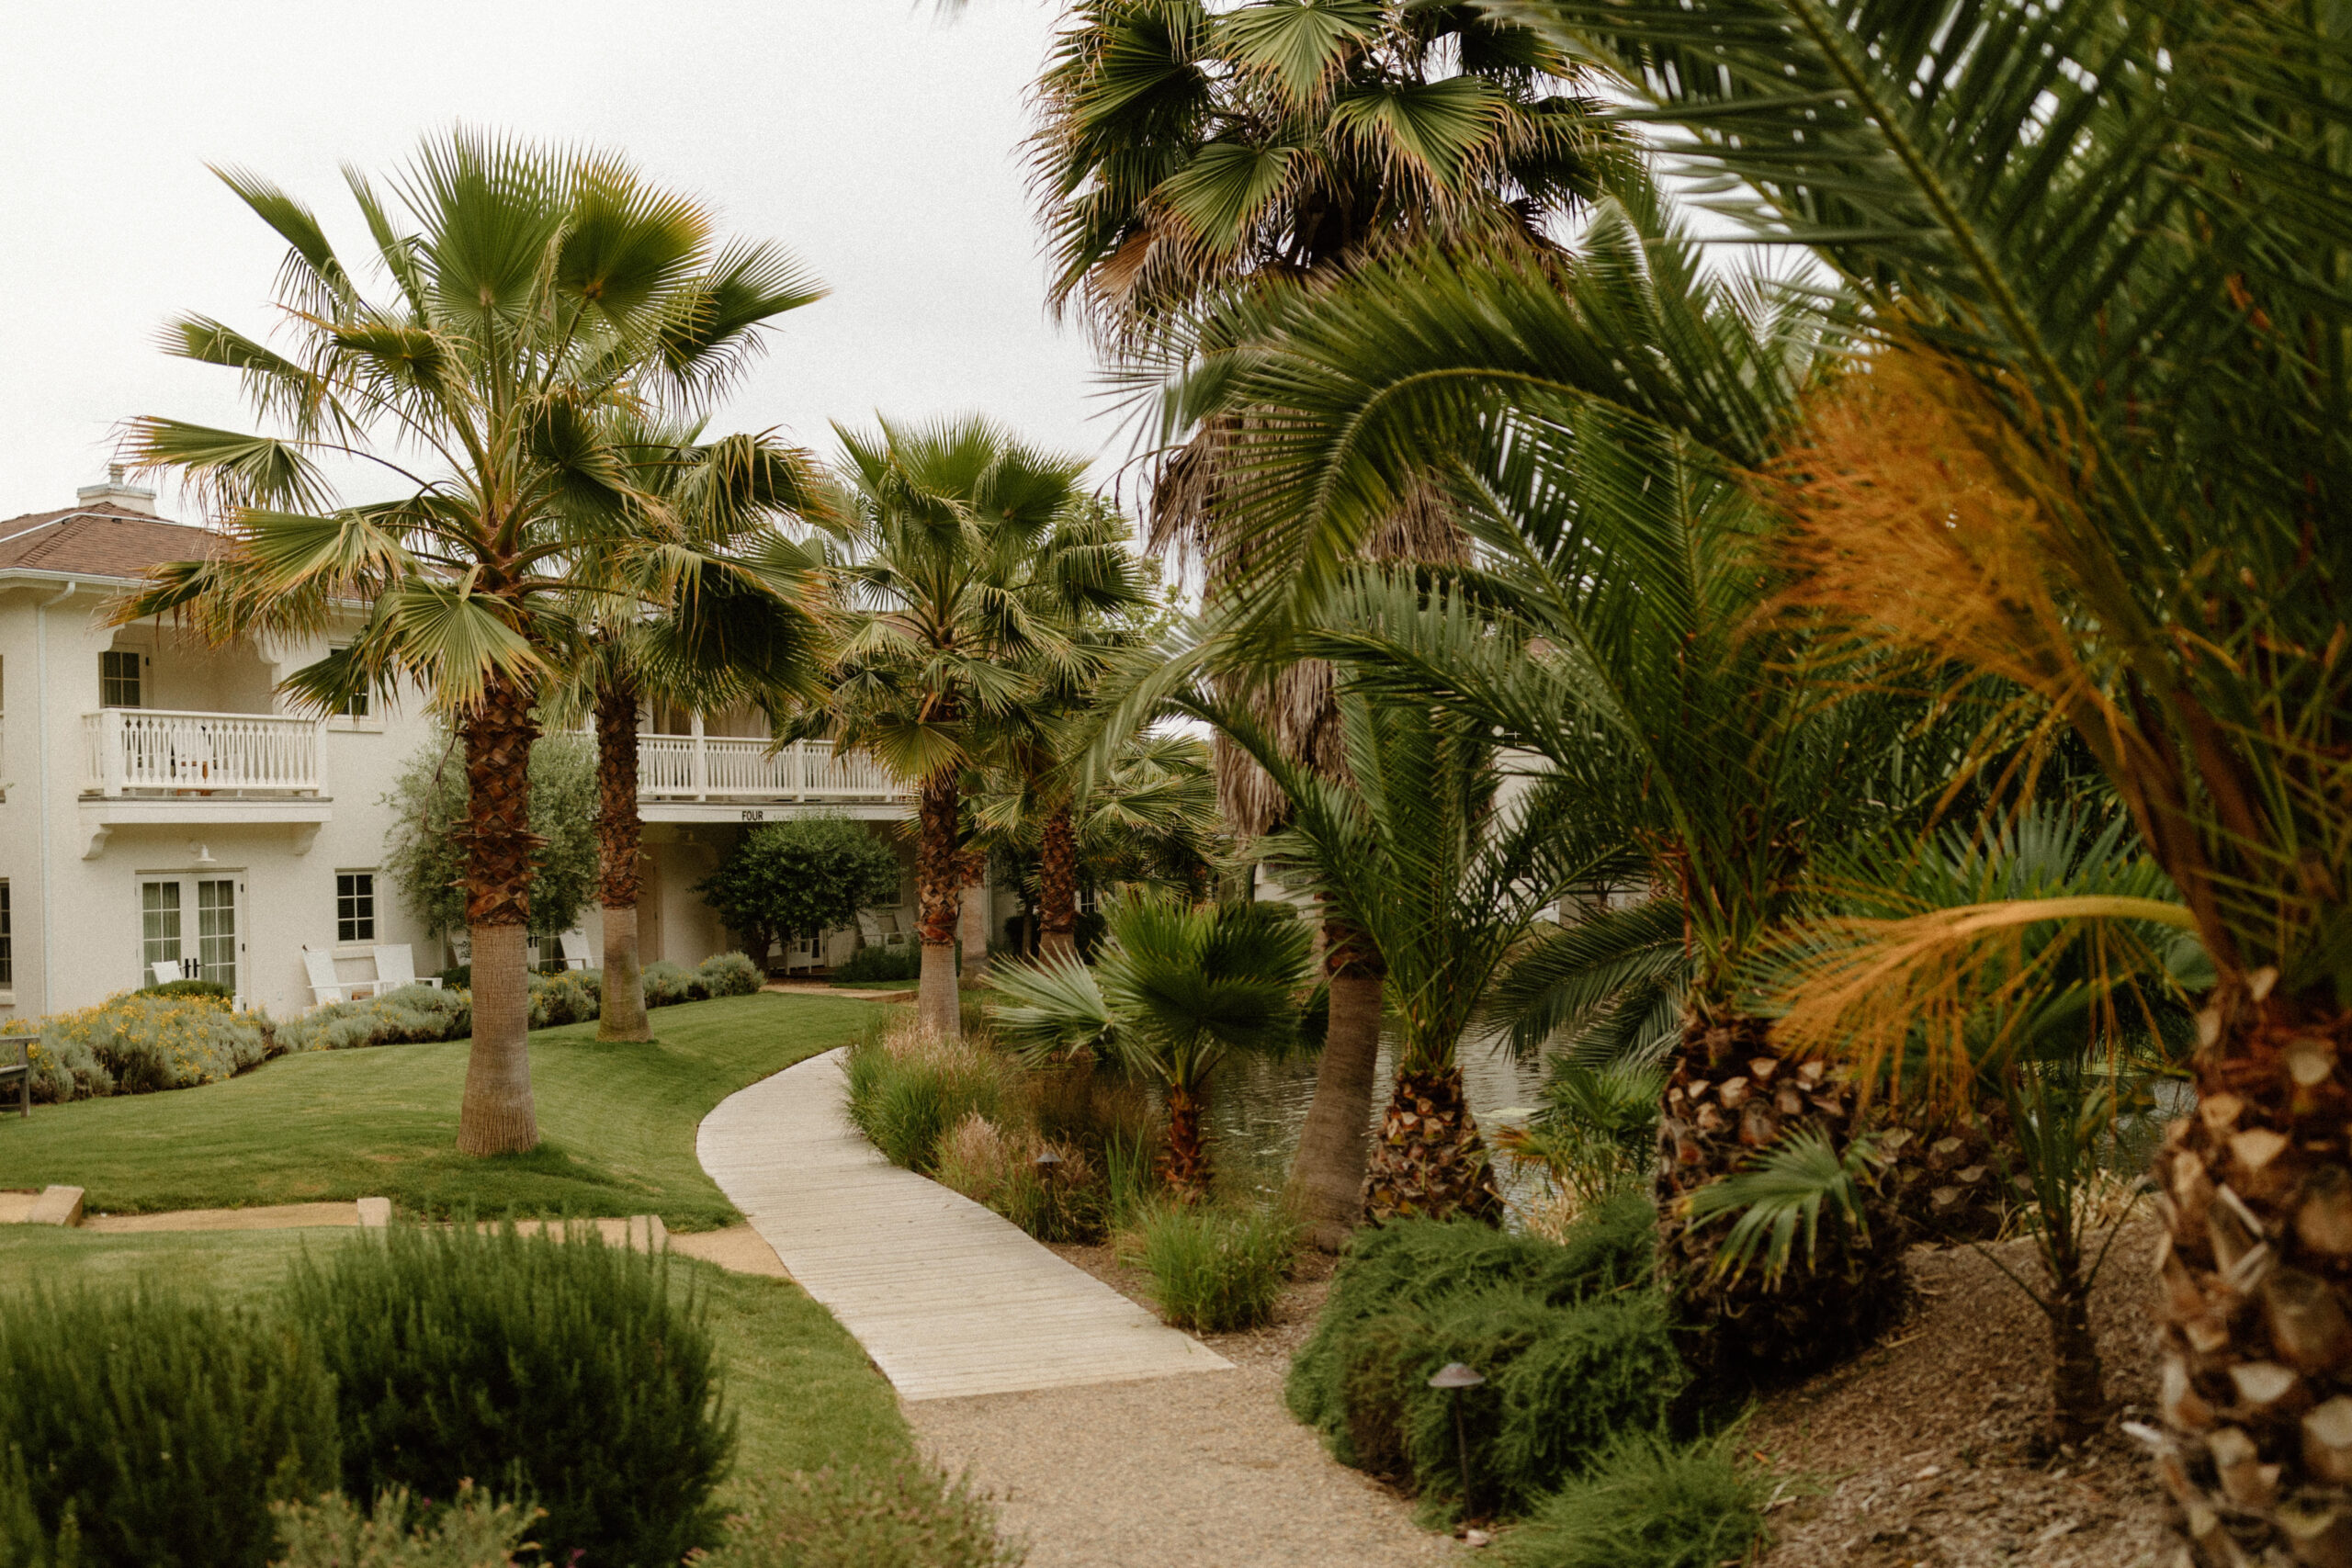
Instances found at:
x=148 y=749
x=712 y=767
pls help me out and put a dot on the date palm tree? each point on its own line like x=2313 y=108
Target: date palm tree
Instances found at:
x=536 y=305
x=2100 y=252
x=1415 y=850
x=731 y=612
x=970 y=563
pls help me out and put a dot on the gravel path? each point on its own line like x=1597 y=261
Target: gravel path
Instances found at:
x=1204 y=1471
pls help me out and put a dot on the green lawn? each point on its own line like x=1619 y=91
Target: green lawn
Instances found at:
x=619 y=1123
x=803 y=1391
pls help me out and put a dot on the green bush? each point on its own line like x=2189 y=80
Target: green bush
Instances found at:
x=906 y=1089
x=156 y=1428
x=407 y=1016
x=1647 y=1504
x=1215 y=1268
x=213 y=989
x=561 y=1370
x=667 y=984
x=140 y=1042
x=567 y=996
x=1574 y=1346
x=901 y=1516
x=470 y=1530
x=729 y=974
x=869 y=964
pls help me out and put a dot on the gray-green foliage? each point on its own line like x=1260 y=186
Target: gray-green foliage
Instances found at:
x=400 y=1017
x=1574 y=1347
x=140 y=1041
x=402 y=1531
x=559 y=1369
x=904 y=1515
x=906 y=1093
x=425 y=853
x=156 y=1428
x=1648 y=1503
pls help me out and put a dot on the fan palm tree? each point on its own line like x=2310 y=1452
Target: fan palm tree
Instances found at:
x=970 y=563
x=1180 y=987
x=732 y=612
x=2100 y=252
x=538 y=302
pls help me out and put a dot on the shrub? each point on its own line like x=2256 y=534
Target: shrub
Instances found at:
x=999 y=1169
x=155 y=1428
x=905 y=1514
x=800 y=878
x=188 y=988
x=908 y=1087
x=1647 y=1504
x=471 y=1531
x=667 y=984
x=566 y=995
x=1574 y=1347
x=140 y=1041
x=404 y=1017
x=1214 y=1268
x=563 y=1370
x=903 y=963
x=729 y=974
x=459 y=975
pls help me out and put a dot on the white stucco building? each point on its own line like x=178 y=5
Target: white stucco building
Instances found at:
x=158 y=800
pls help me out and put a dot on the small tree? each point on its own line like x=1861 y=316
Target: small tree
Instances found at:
x=427 y=850
x=799 y=878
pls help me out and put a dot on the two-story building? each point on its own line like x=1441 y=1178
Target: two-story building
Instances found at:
x=160 y=803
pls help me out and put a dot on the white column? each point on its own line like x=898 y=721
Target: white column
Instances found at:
x=701 y=775
x=110 y=754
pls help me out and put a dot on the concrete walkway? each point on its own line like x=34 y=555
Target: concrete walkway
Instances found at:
x=947 y=1298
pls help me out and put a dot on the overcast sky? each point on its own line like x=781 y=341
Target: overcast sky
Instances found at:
x=878 y=143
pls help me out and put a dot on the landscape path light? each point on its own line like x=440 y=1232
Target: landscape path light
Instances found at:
x=1457 y=1376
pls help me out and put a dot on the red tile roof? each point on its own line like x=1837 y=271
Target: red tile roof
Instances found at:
x=102 y=540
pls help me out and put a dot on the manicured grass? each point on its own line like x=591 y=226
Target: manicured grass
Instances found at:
x=803 y=1391
x=875 y=985
x=619 y=1123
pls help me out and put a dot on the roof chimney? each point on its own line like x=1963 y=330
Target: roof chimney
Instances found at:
x=114 y=492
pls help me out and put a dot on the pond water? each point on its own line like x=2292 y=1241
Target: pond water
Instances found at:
x=1258 y=1106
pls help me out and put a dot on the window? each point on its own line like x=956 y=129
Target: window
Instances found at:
x=355 y=905
x=119 y=678
x=159 y=924
x=7 y=940
x=355 y=705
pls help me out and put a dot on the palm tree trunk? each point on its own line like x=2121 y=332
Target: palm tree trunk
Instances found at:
x=1428 y=1162
x=1185 y=1161
x=497 y=1116
x=2254 y=1285
x=939 y=882
x=1731 y=1095
x=2077 y=1383
x=1327 y=1178
x=1057 y=886
x=623 y=1016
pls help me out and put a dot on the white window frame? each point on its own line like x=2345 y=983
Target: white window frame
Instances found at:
x=190 y=933
x=374 y=906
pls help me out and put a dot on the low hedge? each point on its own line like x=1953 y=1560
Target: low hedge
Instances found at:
x=1573 y=1342
x=140 y=1041
x=407 y=1016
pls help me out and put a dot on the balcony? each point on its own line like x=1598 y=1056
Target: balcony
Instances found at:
x=726 y=770
x=150 y=752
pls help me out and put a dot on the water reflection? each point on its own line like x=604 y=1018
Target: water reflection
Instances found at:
x=1258 y=1107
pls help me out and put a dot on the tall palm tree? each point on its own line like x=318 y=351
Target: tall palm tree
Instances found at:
x=733 y=612
x=1180 y=987
x=1416 y=851
x=539 y=303
x=969 y=560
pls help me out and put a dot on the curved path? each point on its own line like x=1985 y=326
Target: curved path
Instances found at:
x=947 y=1298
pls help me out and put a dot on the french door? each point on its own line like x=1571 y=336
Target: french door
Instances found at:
x=191 y=923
